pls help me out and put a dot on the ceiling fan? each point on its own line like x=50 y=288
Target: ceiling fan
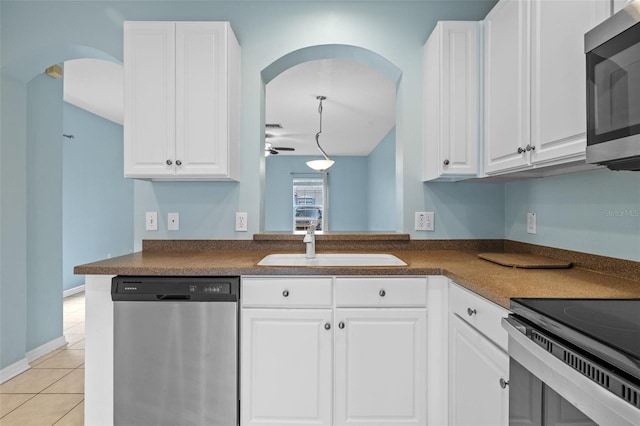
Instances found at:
x=268 y=146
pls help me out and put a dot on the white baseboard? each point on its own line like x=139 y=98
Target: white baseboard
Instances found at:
x=13 y=370
x=42 y=350
x=72 y=291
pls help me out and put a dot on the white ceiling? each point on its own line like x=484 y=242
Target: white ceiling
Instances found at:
x=95 y=85
x=358 y=112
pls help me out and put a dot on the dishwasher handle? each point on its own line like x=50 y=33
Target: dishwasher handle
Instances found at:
x=173 y=297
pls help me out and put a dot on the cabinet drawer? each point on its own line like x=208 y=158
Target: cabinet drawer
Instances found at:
x=281 y=292
x=381 y=292
x=482 y=314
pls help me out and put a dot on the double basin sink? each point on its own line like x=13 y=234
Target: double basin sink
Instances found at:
x=332 y=259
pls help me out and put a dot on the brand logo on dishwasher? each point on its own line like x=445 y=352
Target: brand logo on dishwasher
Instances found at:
x=130 y=288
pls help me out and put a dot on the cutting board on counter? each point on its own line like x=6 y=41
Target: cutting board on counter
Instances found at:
x=527 y=261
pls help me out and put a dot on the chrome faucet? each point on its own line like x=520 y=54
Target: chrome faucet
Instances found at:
x=310 y=241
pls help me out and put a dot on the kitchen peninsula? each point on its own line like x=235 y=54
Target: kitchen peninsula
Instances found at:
x=438 y=264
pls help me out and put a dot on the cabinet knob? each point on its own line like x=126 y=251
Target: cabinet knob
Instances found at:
x=503 y=383
x=521 y=150
x=285 y=293
x=530 y=147
x=341 y=325
x=327 y=326
x=445 y=162
x=471 y=312
x=169 y=162
x=382 y=293
x=178 y=163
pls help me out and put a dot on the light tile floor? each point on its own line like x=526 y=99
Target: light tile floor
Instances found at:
x=51 y=392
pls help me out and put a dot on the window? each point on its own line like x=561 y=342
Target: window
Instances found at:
x=309 y=202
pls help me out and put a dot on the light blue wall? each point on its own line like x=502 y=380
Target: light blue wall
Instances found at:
x=381 y=186
x=13 y=222
x=465 y=210
x=96 y=223
x=348 y=189
x=266 y=31
x=594 y=212
x=44 y=211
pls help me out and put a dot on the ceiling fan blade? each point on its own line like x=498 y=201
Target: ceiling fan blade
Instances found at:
x=284 y=148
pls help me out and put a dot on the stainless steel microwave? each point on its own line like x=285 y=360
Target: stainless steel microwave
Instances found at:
x=613 y=90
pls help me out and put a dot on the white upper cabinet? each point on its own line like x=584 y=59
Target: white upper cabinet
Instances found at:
x=558 y=82
x=182 y=100
x=506 y=86
x=534 y=110
x=451 y=73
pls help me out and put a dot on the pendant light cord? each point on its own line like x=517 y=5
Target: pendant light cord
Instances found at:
x=320 y=98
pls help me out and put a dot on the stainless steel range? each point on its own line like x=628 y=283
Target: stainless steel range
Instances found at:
x=574 y=361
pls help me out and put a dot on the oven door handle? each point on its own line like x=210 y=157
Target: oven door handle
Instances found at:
x=512 y=325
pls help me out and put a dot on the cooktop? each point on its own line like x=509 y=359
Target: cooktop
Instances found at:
x=605 y=328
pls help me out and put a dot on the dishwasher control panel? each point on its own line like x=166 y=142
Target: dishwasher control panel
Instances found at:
x=196 y=289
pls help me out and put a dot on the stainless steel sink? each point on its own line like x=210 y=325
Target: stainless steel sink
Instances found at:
x=332 y=259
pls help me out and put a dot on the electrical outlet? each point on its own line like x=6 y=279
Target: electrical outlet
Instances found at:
x=173 y=222
x=151 y=221
x=241 y=221
x=531 y=223
x=424 y=221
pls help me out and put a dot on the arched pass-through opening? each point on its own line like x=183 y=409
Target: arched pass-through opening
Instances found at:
x=360 y=55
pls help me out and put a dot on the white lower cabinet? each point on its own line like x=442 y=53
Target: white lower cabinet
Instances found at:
x=361 y=359
x=287 y=366
x=478 y=365
x=380 y=367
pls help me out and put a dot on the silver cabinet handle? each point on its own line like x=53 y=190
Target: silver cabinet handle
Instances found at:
x=521 y=150
x=471 y=312
x=169 y=162
x=341 y=325
x=530 y=147
x=327 y=326
x=178 y=163
x=445 y=162
x=382 y=293
x=285 y=293
x=503 y=383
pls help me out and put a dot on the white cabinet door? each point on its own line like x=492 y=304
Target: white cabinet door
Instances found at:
x=182 y=100
x=149 y=101
x=558 y=95
x=506 y=81
x=203 y=83
x=286 y=366
x=380 y=367
x=451 y=101
x=476 y=365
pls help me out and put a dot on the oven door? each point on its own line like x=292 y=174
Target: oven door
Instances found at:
x=546 y=391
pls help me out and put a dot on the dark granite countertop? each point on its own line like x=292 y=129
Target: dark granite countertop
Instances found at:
x=460 y=263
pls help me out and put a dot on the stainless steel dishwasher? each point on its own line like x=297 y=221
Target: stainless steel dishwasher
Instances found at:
x=176 y=351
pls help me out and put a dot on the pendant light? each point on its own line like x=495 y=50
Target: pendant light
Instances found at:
x=320 y=165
